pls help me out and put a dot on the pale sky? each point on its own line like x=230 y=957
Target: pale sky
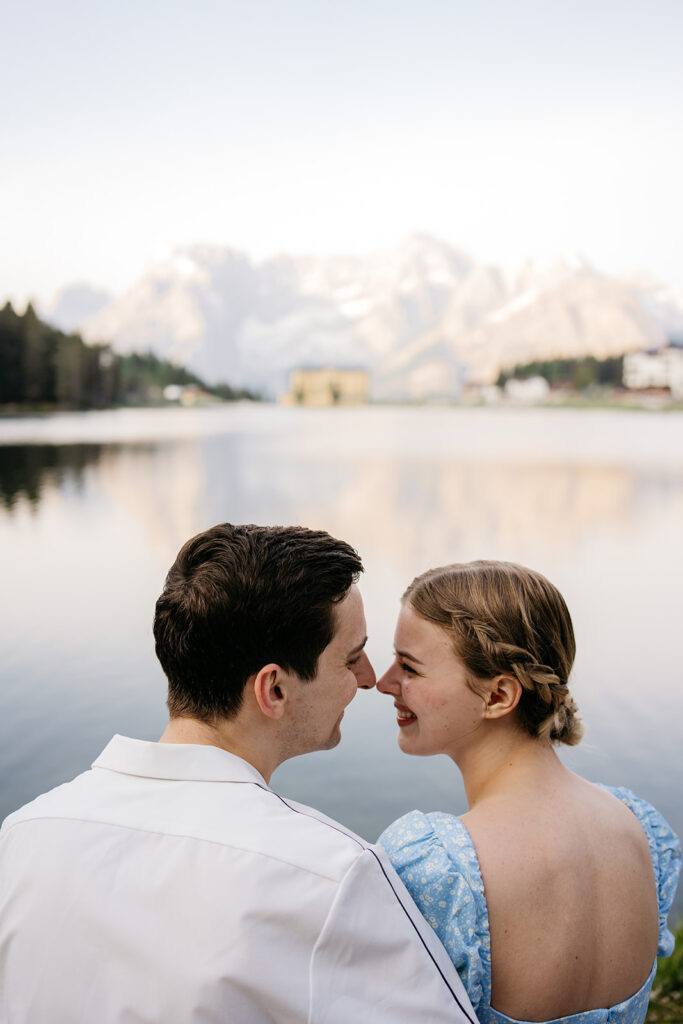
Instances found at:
x=510 y=128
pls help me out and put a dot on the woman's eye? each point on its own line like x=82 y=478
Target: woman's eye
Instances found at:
x=406 y=668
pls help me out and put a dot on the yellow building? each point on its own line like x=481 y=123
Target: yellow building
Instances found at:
x=328 y=386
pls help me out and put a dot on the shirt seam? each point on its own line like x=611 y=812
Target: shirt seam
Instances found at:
x=174 y=778
x=383 y=875
x=177 y=835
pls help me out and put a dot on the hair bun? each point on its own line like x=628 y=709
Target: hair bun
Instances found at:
x=566 y=727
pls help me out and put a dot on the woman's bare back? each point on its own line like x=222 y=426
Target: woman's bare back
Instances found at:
x=571 y=897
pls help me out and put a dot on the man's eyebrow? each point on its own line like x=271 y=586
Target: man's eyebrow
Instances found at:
x=409 y=657
x=358 y=649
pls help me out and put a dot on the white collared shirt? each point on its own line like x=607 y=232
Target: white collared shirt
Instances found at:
x=170 y=885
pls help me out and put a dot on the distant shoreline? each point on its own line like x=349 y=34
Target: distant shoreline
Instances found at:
x=619 y=403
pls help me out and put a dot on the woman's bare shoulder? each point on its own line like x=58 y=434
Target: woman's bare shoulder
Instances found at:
x=563 y=813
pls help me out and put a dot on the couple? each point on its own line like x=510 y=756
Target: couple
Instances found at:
x=170 y=884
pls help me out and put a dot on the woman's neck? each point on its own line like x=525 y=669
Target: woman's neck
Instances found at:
x=508 y=761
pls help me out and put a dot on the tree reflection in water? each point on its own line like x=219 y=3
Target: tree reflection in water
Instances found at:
x=25 y=469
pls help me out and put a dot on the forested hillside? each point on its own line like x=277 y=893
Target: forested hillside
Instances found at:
x=579 y=374
x=41 y=367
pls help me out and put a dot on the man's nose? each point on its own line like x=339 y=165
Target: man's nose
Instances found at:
x=389 y=682
x=365 y=676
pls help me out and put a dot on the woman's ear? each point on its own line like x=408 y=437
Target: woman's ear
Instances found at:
x=503 y=697
x=270 y=690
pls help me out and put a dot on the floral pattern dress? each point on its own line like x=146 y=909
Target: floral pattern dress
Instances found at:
x=437 y=862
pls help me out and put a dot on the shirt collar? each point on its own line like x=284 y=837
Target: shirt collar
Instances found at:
x=176 y=761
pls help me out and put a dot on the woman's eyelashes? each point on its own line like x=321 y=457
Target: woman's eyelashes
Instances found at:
x=407 y=668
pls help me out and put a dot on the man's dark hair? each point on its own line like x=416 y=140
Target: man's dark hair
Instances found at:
x=239 y=597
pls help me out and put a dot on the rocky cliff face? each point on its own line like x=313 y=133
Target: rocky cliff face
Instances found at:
x=423 y=319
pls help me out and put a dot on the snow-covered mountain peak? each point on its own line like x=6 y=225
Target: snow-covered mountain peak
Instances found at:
x=547 y=271
x=424 y=312
x=421 y=258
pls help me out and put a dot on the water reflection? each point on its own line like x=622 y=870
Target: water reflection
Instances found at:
x=26 y=469
x=398 y=507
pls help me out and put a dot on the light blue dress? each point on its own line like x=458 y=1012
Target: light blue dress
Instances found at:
x=437 y=862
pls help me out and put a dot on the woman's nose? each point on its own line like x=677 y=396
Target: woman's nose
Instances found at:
x=365 y=674
x=389 y=682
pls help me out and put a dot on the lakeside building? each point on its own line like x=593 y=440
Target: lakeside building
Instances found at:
x=327 y=386
x=187 y=394
x=655 y=368
x=527 y=389
x=516 y=391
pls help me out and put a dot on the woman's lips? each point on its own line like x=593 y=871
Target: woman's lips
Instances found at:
x=404 y=716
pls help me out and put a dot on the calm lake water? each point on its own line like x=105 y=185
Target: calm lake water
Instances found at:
x=93 y=508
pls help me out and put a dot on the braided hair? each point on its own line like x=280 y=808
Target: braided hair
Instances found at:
x=503 y=618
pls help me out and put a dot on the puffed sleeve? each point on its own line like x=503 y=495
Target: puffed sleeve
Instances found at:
x=436 y=861
x=665 y=850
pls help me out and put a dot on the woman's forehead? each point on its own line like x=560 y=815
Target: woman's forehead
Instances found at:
x=413 y=629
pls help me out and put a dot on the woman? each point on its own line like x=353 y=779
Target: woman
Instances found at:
x=550 y=894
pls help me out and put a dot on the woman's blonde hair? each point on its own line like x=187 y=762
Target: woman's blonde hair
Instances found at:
x=503 y=618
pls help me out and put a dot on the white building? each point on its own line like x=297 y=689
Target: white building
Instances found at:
x=528 y=389
x=662 y=368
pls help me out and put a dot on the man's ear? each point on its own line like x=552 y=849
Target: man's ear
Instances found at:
x=503 y=697
x=270 y=690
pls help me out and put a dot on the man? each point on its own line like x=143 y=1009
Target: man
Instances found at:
x=169 y=883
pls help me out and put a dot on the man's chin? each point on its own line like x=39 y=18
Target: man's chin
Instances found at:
x=334 y=740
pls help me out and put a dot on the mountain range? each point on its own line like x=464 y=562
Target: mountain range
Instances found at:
x=423 y=319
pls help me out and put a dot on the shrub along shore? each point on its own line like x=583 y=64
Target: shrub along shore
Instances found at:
x=666 y=1001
